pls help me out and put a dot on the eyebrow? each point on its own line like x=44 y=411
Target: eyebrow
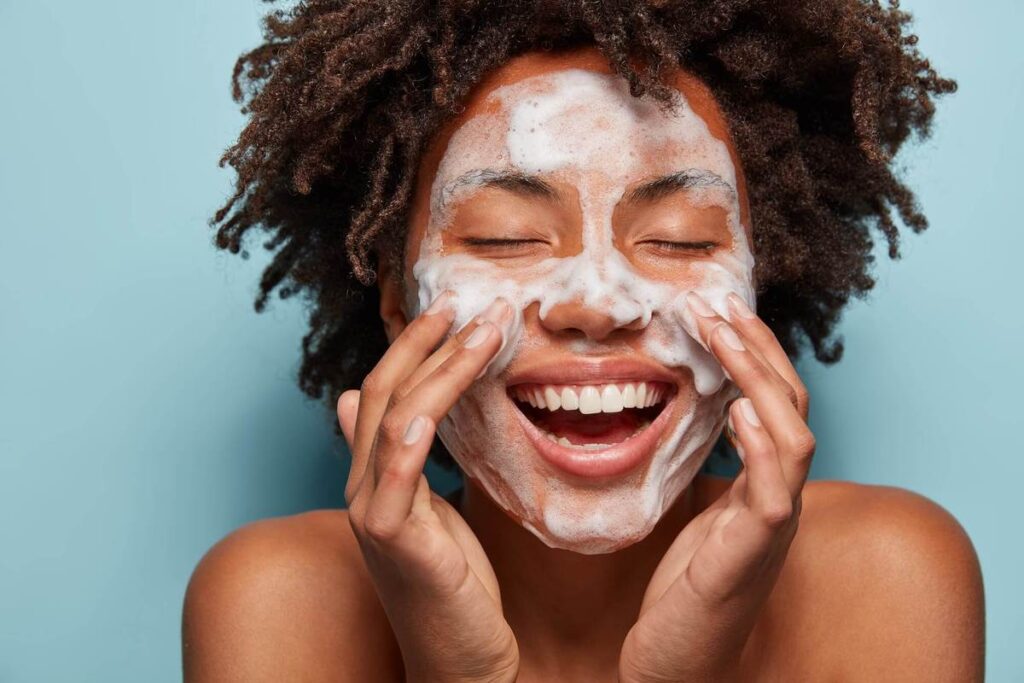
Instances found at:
x=513 y=181
x=675 y=182
x=532 y=186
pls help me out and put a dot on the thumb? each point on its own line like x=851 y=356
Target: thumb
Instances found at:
x=348 y=408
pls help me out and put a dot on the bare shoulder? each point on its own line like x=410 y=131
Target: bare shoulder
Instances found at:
x=888 y=582
x=286 y=599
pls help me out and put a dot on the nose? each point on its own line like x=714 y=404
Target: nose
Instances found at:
x=577 y=318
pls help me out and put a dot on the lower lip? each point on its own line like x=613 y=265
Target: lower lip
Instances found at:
x=613 y=461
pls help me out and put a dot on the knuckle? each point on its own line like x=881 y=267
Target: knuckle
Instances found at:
x=373 y=384
x=802 y=444
x=391 y=428
x=395 y=471
x=777 y=513
x=380 y=528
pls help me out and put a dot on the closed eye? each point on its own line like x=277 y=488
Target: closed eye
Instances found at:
x=498 y=243
x=683 y=246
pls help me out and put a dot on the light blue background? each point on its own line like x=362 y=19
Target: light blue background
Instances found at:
x=147 y=410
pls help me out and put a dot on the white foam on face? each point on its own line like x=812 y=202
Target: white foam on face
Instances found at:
x=584 y=129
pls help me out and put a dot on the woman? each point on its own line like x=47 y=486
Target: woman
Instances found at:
x=561 y=218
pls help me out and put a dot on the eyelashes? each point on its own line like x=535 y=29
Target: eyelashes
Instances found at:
x=498 y=243
x=506 y=244
x=701 y=247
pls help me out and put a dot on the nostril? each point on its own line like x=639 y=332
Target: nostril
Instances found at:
x=584 y=320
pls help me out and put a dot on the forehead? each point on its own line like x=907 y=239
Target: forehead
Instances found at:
x=540 y=108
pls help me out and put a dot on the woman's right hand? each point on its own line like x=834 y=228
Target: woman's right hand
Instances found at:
x=432 y=576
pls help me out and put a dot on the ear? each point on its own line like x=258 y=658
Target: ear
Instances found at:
x=391 y=300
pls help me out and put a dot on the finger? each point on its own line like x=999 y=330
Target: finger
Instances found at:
x=767 y=494
x=434 y=396
x=763 y=385
x=416 y=342
x=737 y=491
x=499 y=312
x=744 y=536
x=703 y=319
x=348 y=407
x=784 y=425
x=763 y=340
x=398 y=481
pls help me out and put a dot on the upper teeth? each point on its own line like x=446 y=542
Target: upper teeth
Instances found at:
x=591 y=398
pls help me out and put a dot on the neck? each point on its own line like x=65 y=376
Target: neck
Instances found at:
x=560 y=603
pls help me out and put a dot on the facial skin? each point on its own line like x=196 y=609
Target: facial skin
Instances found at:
x=593 y=214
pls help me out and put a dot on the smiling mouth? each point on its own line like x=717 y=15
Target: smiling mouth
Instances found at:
x=591 y=417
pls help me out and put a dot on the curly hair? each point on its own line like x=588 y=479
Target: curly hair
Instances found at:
x=343 y=97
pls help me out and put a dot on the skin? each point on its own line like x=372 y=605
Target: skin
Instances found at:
x=632 y=256
x=762 y=578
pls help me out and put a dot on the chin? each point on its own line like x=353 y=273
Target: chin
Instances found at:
x=588 y=456
x=593 y=531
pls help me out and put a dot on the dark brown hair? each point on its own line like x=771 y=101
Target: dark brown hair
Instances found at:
x=344 y=95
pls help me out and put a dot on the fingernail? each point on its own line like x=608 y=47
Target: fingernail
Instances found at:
x=739 y=452
x=414 y=431
x=699 y=306
x=480 y=335
x=748 y=412
x=728 y=336
x=740 y=306
x=496 y=311
x=440 y=304
x=685 y=318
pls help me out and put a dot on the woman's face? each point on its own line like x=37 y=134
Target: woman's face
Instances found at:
x=593 y=214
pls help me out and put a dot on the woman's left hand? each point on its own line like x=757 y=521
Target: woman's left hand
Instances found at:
x=706 y=594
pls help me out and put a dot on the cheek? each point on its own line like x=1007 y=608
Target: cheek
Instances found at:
x=476 y=282
x=708 y=278
x=677 y=278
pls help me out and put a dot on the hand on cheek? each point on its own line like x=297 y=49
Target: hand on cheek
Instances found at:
x=776 y=399
x=753 y=358
x=711 y=586
x=432 y=577
x=744 y=341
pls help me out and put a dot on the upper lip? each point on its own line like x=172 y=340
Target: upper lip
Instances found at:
x=591 y=371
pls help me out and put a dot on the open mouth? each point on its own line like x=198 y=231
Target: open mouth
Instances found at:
x=591 y=417
x=591 y=420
